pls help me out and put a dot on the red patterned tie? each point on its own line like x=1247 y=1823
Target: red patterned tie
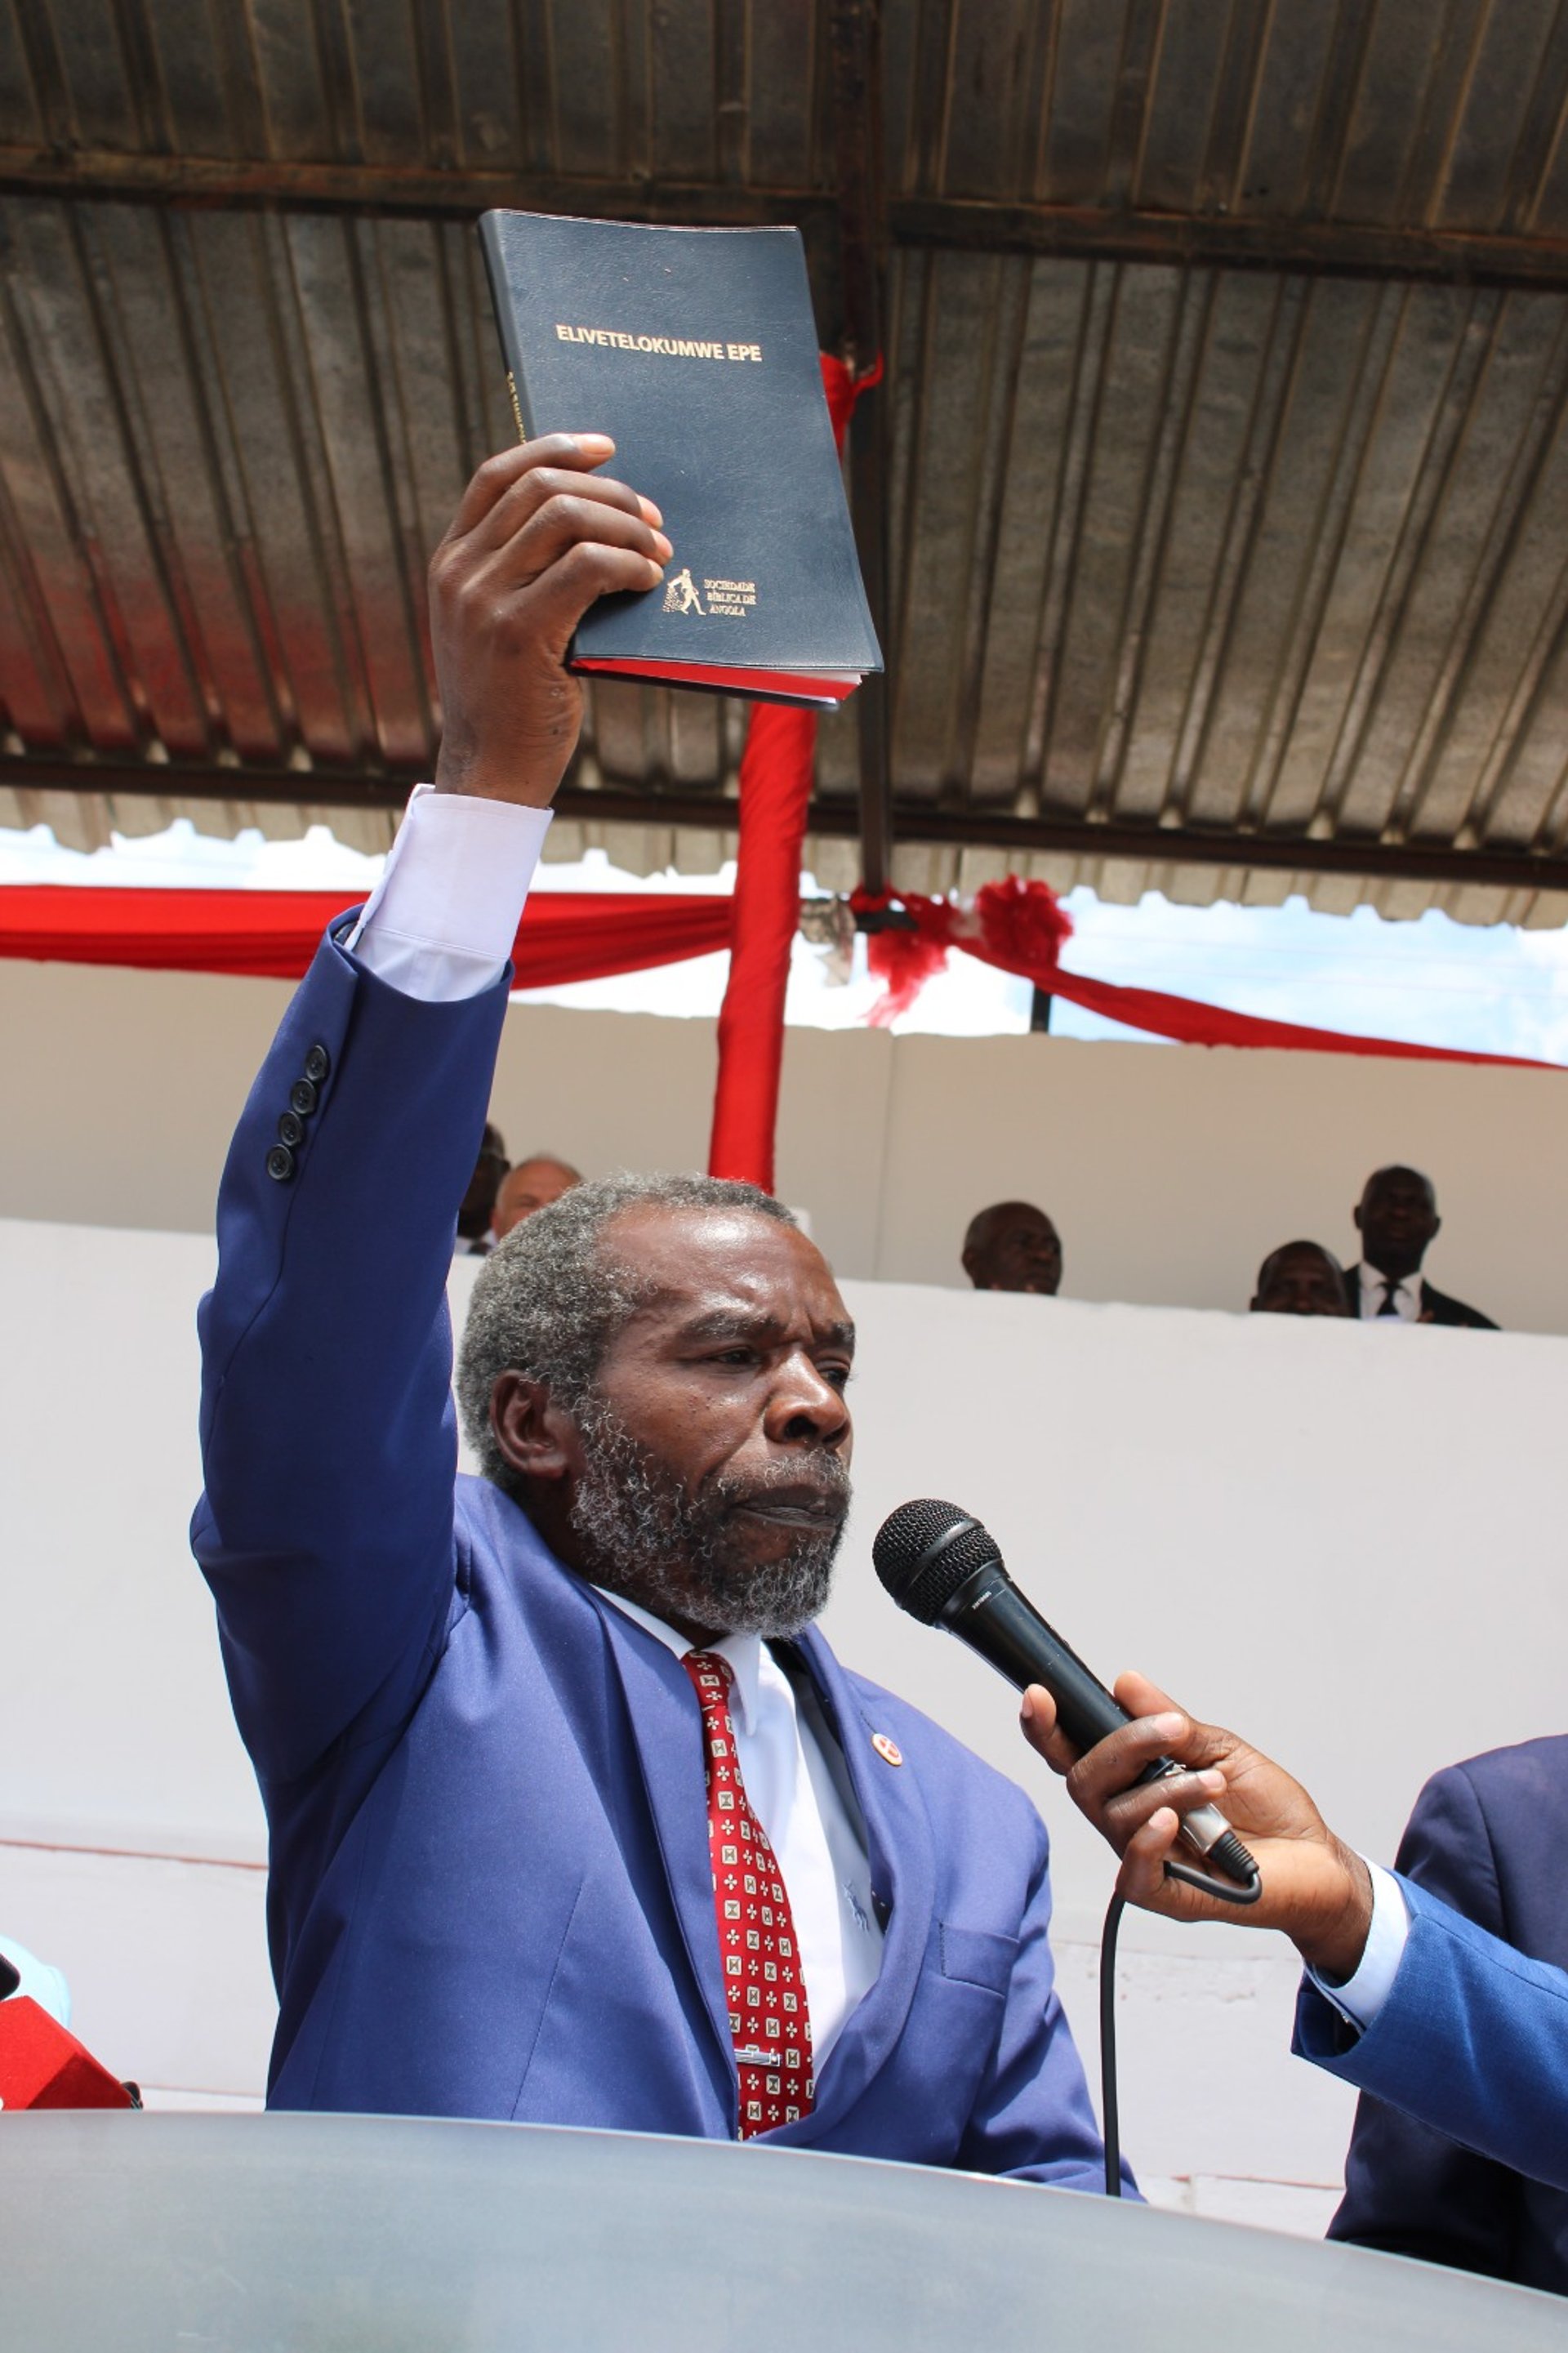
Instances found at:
x=763 y=1982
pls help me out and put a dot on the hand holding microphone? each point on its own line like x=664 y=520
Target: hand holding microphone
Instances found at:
x=1147 y=1776
x=1315 y=1889
x=1150 y=1779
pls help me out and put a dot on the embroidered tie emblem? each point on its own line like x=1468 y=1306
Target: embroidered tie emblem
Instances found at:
x=763 y=1982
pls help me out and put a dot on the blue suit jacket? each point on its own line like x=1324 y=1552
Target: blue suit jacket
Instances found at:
x=490 y=1893
x=1481 y=1837
x=1472 y=2041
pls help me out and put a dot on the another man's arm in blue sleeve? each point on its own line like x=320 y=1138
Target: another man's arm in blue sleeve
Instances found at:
x=1410 y=2190
x=1472 y=2040
x=1467 y=2034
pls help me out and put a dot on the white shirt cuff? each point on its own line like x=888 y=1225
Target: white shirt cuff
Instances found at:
x=1361 y=1996
x=441 y=921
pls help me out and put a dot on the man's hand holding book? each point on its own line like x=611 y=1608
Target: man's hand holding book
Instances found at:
x=538 y=537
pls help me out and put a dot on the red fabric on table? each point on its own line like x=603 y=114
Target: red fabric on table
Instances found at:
x=565 y=935
x=778 y=768
x=43 y=2066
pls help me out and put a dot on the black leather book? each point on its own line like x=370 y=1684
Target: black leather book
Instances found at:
x=696 y=350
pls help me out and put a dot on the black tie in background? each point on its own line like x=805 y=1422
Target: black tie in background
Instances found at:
x=1390 y=1296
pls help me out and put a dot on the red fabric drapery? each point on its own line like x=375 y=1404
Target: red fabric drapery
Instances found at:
x=1021 y=927
x=272 y=934
x=777 y=772
x=569 y=935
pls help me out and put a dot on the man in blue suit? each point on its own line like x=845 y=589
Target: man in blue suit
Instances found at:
x=1404 y=1996
x=1476 y=1838
x=575 y=1817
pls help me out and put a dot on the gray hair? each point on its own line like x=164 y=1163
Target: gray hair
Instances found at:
x=550 y=1298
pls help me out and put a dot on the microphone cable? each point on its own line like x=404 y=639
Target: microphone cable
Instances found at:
x=1225 y=1891
x=941 y=1565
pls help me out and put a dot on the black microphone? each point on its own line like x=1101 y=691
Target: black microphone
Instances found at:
x=945 y=1569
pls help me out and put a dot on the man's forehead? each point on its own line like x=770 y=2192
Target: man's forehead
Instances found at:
x=1400 y=1180
x=719 y=1266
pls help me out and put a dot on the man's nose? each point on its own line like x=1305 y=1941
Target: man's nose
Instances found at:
x=805 y=1404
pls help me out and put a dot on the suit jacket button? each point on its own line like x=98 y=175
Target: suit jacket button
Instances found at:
x=291 y=1130
x=280 y=1164
x=318 y=1062
x=303 y=1098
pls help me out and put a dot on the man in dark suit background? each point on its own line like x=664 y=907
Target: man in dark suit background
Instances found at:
x=1485 y=1836
x=1397 y=1219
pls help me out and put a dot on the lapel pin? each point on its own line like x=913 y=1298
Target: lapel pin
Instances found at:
x=887 y=1750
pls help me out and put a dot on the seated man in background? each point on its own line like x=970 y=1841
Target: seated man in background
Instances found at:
x=1300 y=1279
x=1012 y=1246
x=529 y=1185
x=575 y=1818
x=1485 y=1837
x=1397 y=1219
x=477 y=1205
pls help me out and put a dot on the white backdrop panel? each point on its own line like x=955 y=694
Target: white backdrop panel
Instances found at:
x=1346 y=1540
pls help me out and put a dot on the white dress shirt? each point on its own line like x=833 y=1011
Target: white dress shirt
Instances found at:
x=798 y=1788
x=1361 y=1996
x=440 y=925
x=1374 y=1290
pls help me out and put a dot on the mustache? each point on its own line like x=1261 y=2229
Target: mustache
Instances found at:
x=821 y=1485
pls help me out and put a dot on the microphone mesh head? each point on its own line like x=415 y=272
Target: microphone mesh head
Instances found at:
x=920 y=1579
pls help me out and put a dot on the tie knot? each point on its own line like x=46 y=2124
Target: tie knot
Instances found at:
x=712 y=1677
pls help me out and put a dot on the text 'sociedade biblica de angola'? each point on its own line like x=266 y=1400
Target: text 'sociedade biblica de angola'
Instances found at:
x=696 y=350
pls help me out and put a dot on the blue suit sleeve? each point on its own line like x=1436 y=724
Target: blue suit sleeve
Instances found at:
x=1410 y=2190
x=1033 y=2096
x=1472 y=2041
x=328 y=1434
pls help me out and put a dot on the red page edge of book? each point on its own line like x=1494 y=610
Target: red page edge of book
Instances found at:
x=730 y=682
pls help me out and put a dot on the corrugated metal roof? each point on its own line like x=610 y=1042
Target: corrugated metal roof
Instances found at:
x=1262 y=547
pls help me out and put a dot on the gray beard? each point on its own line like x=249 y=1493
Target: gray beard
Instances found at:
x=643 y=1535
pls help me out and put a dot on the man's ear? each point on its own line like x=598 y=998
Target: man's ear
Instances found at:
x=537 y=1438
x=1356 y=1213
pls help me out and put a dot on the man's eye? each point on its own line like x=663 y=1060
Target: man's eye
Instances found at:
x=735 y=1356
x=838 y=1375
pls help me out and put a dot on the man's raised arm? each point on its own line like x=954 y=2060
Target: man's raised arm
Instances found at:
x=329 y=1445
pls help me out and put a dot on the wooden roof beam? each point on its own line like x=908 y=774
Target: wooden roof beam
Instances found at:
x=1434 y=864
x=1340 y=249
